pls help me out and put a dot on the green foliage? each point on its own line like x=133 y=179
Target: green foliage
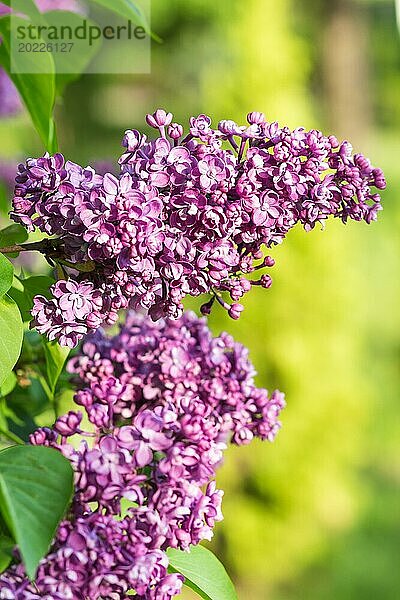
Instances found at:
x=11 y=328
x=126 y=9
x=13 y=234
x=203 y=572
x=6 y=275
x=32 y=400
x=35 y=491
x=6 y=548
x=37 y=88
x=8 y=385
x=302 y=517
x=24 y=290
x=25 y=406
x=26 y=7
x=40 y=76
x=56 y=356
x=68 y=66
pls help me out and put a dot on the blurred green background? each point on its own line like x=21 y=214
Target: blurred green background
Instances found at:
x=316 y=515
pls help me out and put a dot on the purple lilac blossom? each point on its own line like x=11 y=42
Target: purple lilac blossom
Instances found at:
x=165 y=399
x=9 y=166
x=190 y=215
x=73 y=311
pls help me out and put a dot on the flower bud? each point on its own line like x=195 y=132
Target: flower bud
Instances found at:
x=175 y=131
x=68 y=424
x=228 y=127
x=159 y=119
x=44 y=436
x=268 y=261
x=245 y=284
x=255 y=118
x=94 y=320
x=379 y=179
x=205 y=309
x=333 y=141
x=235 y=310
x=130 y=288
x=266 y=281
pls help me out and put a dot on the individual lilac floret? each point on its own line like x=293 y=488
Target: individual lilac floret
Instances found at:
x=192 y=215
x=165 y=400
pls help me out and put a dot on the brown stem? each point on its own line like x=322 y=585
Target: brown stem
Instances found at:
x=11 y=249
x=53 y=252
x=44 y=246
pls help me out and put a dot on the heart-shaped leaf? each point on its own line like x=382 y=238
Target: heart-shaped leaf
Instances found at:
x=36 y=485
x=203 y=572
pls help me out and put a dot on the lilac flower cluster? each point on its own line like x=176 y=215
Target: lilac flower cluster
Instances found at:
x=164 y=398
x=74 y=310
x=187 y=214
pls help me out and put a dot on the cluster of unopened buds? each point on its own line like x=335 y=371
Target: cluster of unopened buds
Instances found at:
x=163 y=400
x=188 y=214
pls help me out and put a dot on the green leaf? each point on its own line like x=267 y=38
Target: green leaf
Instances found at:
x=4 y=199
x=24 y=405
x=6 y=547
x=24 y=291
x=27 y=7
x=6 y=274
x=13 y=234
x=37 y=284
x=33 y=76
x=70 y=65
x=11 y=328
x=8 y=384
x=126 y=9
x=56 y=356
x=36 y=485
x=204 y=573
